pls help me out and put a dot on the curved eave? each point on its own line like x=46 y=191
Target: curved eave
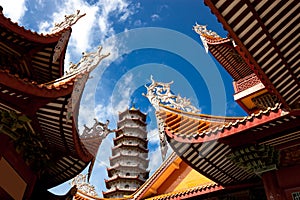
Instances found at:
x=268 y=34
x=62 y=170
x=28 y=34
x=69 y=154
x=34 y=89
x=207 y=152
x=184 y=128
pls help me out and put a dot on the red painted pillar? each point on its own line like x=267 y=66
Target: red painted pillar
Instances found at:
x=272 y=188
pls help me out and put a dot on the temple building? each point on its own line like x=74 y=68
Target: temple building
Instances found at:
x=129 y=160
x=40 y=146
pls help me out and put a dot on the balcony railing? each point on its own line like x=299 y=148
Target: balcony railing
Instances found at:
x=245 y=83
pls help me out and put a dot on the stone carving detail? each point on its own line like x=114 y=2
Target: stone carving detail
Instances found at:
x=98 y=129
x=69 y=21
x=61 y=45
x=81 y=182
x=162 y=138
x=160 y=93
x=87 y=64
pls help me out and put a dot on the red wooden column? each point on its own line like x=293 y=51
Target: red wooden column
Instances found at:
x=272 y=188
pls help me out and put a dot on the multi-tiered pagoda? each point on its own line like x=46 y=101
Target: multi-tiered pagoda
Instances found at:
x=129 y=160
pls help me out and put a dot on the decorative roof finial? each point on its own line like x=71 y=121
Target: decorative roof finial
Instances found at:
x=99 y=129
x=159 y=93
x=204 y=33
x=88 y=62
x=69 y=21
x=81 y=182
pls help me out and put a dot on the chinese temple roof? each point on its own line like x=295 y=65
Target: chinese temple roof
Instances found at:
x=214 y=145
x=205 y=143
x=32 y=85
x=266 y=34
x=175 y=179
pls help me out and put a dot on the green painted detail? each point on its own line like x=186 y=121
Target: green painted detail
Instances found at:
x=26 y=142
x=256 y=158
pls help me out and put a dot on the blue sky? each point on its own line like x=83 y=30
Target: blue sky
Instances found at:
x=144 y=38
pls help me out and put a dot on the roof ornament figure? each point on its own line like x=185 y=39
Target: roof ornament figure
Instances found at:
x=85 y=66
x=99 y=129
x=69 y=21
x=159 y=93
x=81 y=182
x=203 y=32
x=88 y=62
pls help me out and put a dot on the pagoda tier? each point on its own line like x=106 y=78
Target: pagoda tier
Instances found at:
x=140 y=132
x=122 y=138
x=119 y=167
x=126 y=178
x=118 y=193
x=137 y=147
x=129 y=158
x=129 y=161
x=131 y=122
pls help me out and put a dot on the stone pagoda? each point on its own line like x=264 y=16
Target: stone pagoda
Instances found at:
x=129 y=160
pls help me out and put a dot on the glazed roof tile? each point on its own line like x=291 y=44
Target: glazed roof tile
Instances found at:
x=191 y=192
x=195 y=127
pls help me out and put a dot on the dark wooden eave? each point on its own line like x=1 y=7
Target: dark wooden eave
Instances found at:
x=267 y=33
x=28 y=53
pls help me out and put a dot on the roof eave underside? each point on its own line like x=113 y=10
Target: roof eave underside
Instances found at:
x=35 y=50
x=268 y=34
x=207 y=153
x=70 y=156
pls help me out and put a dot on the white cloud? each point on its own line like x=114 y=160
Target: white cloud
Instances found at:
x=155 y=17
x=155 y=160
x=15 y=10
x=108 y=7
x=153 y=136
